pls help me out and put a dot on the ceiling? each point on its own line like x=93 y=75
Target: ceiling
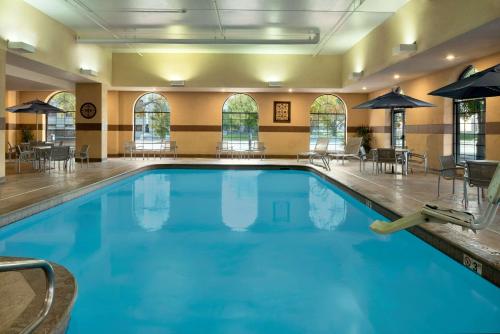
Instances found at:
x=338 y=23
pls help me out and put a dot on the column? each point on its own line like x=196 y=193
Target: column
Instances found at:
x=2 y=110
x=92 y=119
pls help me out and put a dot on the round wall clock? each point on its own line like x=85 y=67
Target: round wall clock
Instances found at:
x=88 y=110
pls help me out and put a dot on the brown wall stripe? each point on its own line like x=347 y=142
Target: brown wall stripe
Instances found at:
x=493 y=128
x=21 y=126
x=194 y=128
x=284 y=129
x=430 y=129
x=88 y=126
x=120 y=127
x=381 y=129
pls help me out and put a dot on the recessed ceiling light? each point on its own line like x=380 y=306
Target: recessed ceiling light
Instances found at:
x=88 y=71
x=177 y=83
x=223 y=90
x=450 y=57
x=404 y=49
x=396 y=76
x=356 y=75
x=290 y=90
x=363 y=88
x=21 y=47
x=275 y=84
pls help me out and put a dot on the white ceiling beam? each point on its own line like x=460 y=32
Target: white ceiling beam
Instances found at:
x=353 y=6
x=314 y=39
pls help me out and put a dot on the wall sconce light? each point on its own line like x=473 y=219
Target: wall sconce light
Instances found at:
x=275 y=84
x=177 y=83
x=356 y=75
x=404 y=49
x=21 y=47
x=88 y=71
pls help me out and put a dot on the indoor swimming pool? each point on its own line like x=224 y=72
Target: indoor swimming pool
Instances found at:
x=247 y=251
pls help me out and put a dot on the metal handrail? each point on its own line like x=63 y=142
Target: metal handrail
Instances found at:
x=50 y=278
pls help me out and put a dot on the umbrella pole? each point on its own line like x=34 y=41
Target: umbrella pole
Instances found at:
x=36 y=116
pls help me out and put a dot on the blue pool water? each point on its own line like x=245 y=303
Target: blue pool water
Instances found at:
x=210 y=251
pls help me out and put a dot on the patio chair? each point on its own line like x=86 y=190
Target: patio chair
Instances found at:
x=11 y=151
x=449 y=171
x=83 y=155
x=351 y=150
x=478 y=174
x=130 y=148
x=364 y=157
x=223 y=148
x=320 y=151
x=59 y=154
x=169 y=147
x=258 y=149
x=24 y=155
x=386 y=156
x=421 y=159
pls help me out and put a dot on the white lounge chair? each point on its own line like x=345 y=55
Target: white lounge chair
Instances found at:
x=320 y=151
x=223 y=148
x=168 y=147
x=351 y=150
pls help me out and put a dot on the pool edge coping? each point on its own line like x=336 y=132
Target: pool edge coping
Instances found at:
x=490 y=270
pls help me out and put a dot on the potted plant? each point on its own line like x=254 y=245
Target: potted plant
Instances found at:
x=365 y=132
x=26 y=135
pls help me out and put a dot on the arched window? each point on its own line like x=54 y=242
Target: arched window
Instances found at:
x=469 y=123
x=240 y=121
x=61 y=126
x=328 y=120
x=151 y=121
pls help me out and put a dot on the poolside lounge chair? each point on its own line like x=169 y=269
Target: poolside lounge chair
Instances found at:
x=168 y=147
x=422 y=159
x=258 y=149
x=479 y=175
x=320 y=151
x=129 y=148
x=386 y=156
x=11 y=151
x=449 y=170
x=351 y=150
x=83 y=155
x=364 y=157
x=24 y=155
x=59 y=154
x=223 y=148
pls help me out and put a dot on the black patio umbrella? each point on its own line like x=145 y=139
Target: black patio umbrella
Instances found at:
x=481 y=84
x=35 y=107
x=393 y=100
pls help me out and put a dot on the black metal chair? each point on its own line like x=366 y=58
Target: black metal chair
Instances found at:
x=449 y=170
x=478 y=174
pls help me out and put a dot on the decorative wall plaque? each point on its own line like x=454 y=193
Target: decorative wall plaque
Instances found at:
x=282 y=110
x=88 y=110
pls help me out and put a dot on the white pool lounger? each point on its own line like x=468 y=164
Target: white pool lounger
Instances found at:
x=432 y=213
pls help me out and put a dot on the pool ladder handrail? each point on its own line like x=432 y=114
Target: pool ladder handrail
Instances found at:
x=50 y=279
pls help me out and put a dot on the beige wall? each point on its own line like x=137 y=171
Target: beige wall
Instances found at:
x=190 y=111
x=55 y=43
x=428 y=22
x=2 y=112
x=435 y=137
x=225 y=70
x=92 y=132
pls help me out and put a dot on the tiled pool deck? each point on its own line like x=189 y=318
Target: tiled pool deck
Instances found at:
x=23 y=194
